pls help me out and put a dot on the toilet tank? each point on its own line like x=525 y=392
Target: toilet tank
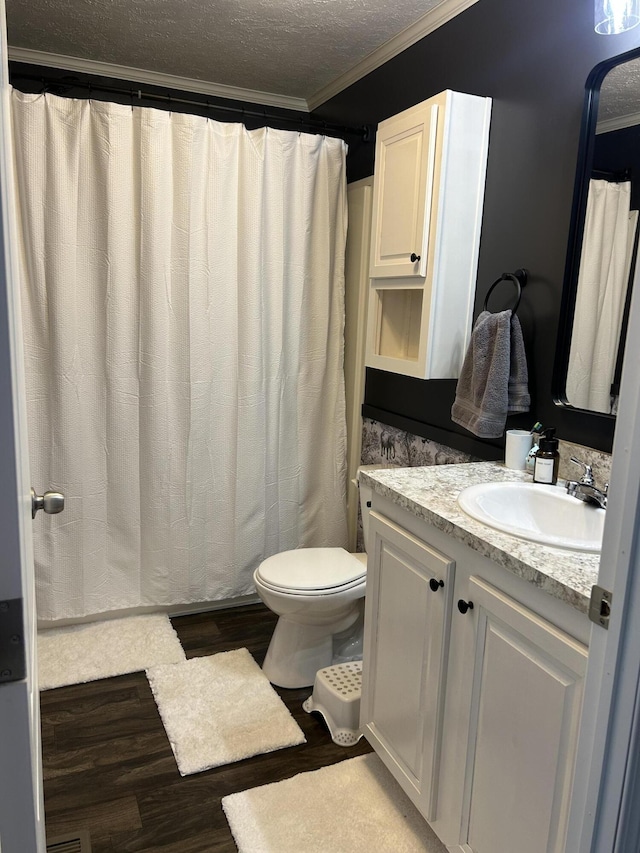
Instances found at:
x=366 y=493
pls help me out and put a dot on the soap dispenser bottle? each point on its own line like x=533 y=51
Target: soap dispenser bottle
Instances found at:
x=545 y=468
x=536 y=431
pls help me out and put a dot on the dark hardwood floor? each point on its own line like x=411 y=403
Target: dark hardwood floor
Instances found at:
x=109 y=769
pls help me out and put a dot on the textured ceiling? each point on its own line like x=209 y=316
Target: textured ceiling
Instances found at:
x=289 y=47
x=620 y=92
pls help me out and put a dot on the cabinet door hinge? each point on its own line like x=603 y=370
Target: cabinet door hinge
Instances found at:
x=600 y=606
x=12 y=655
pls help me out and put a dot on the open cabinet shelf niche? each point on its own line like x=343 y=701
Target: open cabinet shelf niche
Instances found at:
x=397 y=318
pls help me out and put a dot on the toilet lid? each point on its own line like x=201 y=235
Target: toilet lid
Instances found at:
x=312 y=569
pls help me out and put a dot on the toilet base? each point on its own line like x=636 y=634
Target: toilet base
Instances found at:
x=297 y=651
x=348 y=645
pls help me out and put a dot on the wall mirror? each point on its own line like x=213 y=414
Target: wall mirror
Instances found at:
x=603 y=242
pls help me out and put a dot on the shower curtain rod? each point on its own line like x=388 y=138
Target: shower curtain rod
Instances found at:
x=618 y=177
x=60 y=84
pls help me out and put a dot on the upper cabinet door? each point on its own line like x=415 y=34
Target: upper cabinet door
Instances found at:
x=405 y=157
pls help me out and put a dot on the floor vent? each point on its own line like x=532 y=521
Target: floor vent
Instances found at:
x=76 y=843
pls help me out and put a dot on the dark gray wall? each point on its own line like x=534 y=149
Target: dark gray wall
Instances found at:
x=533 y=60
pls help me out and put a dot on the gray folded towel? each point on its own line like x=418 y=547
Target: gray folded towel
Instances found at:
x=493 y=380
x=519 y=399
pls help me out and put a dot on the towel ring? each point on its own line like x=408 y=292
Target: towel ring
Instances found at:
x=519 y=278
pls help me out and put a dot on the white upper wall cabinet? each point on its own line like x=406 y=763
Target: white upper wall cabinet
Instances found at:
x=427 y=213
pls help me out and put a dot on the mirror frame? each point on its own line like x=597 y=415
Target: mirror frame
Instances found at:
x=605 y=423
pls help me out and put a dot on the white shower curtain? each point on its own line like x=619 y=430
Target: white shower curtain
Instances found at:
x=183 y=320
x=605 y=264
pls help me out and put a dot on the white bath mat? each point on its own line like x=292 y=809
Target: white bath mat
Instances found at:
x=352 y=807
x=95 y=650
x=220 y=709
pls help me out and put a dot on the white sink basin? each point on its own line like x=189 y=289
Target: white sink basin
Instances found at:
x=545 y=514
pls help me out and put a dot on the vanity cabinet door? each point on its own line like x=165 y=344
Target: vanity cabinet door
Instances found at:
x=407 y=618
x=525 y=678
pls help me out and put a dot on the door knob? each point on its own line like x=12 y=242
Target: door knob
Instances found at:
x=50 y=502
x=463 y=606
x=413 y=257
x=435 y=584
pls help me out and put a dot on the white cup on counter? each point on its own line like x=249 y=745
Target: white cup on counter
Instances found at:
x=518 y=444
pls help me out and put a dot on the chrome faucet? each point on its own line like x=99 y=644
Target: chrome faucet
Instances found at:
x=585 y=489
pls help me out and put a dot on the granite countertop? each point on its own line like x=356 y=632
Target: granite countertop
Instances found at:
x=431 y=493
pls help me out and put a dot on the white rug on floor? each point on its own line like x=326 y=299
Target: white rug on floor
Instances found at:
x=220 y=709
x=352 y=807
x=95 y=650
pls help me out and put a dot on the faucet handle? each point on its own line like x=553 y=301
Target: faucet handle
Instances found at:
x=587 y=476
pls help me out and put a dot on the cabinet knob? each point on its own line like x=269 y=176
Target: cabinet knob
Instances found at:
x=435 y=584
x=463 y=606
x=413 y=257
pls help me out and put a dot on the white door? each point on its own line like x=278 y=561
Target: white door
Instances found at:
x=21 y=812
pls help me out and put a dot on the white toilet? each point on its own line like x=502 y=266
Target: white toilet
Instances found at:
x=317 y=593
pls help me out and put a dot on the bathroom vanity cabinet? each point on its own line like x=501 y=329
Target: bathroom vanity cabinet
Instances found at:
x=428 y=195
x=472 y=688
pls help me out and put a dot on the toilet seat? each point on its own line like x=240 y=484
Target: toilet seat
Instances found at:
x=316 y=591
x=312 y=571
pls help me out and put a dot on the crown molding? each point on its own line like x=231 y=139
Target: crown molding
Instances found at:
x=429 y=22
x=441 y=14
x=619 y=123
x=154 y=78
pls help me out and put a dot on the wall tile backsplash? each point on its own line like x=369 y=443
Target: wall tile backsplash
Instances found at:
x=387 y=445
x=599 y=461
x=392 y=447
